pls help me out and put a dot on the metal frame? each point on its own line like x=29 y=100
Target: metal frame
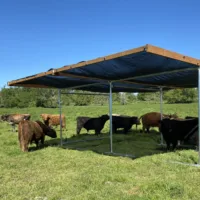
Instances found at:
x=160 y=73
x=76 y=141
x=161 y=112
x=110 y=115
x=60 y=111
x=111 y=152
x=148 y=48
x=199 y=112
x=85 y=93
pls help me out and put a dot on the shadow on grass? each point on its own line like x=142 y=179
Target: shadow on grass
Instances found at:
x=132 y=145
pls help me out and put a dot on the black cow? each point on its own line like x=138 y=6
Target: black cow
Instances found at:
x=124 y=122
x=193 y=139
x=174 y=130
x=96 y=124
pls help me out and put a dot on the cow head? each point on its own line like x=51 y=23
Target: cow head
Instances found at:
x=135 y=120
x=105 y=117
x=47 y=130
x=165 y=125
x=4 y=117
x=44 y=116
x=51 y=133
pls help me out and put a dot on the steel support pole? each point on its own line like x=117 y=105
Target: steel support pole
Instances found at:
x=60 y=111
x=199 y=113
x=161 y=112
x=110 y=114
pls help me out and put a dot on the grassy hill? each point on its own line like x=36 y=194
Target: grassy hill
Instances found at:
x=83 y=170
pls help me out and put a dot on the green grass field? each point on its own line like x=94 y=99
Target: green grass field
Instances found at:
x=83 y=170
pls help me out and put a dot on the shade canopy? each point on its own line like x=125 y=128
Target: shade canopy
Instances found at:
x=143 y=69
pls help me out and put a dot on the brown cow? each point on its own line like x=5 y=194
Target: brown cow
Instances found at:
x=15 y=119
x=53 y=120
x=152 y=120
x=30 y=131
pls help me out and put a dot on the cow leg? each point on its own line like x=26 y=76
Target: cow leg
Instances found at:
x=125 y=130
x=168 y=145
x=97 y=132
x=114 y=129
x=42 y=140
x=78 y=131
x=174 y=144
x=20 y=140
x=25 y=146
x=148 y=129
x=37 y=143
x=143 y=129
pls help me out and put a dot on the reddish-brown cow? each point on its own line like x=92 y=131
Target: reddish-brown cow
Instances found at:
x=152 y=120
x=53 y=120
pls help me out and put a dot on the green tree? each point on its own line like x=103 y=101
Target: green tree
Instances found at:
x=47 y=98
x=131 y=97
x=186 y=95
x=149 y=96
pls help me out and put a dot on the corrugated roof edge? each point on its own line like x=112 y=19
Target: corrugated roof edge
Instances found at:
x=171 y=54
x=148 y=48
x=80 y=64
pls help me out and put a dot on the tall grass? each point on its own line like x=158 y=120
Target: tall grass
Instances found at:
x=84 y=171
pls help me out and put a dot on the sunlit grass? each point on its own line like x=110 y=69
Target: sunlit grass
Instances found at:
x=84 y=171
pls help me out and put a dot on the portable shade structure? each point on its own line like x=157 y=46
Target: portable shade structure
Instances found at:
x=144 y=69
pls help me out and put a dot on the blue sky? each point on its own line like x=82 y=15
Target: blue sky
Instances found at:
x=36 y=35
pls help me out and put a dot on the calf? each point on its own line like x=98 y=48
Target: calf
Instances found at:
x=14 y=119
x=174 y=130
x=152 y=120
x=124 y=122
x=96 y=124
x=54 y=120
x=30 y=131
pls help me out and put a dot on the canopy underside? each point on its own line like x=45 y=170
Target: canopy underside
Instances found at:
x=144 y=69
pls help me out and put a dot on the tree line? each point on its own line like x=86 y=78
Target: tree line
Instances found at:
x=39 y=97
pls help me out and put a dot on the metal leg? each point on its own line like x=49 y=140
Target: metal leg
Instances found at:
x=60 y=111
x=110 y=114
x=199 y=112
x=161 y=112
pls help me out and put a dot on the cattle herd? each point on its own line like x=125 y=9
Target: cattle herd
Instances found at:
x=172 y=127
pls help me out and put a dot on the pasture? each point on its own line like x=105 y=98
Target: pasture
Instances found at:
x=82 y=170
